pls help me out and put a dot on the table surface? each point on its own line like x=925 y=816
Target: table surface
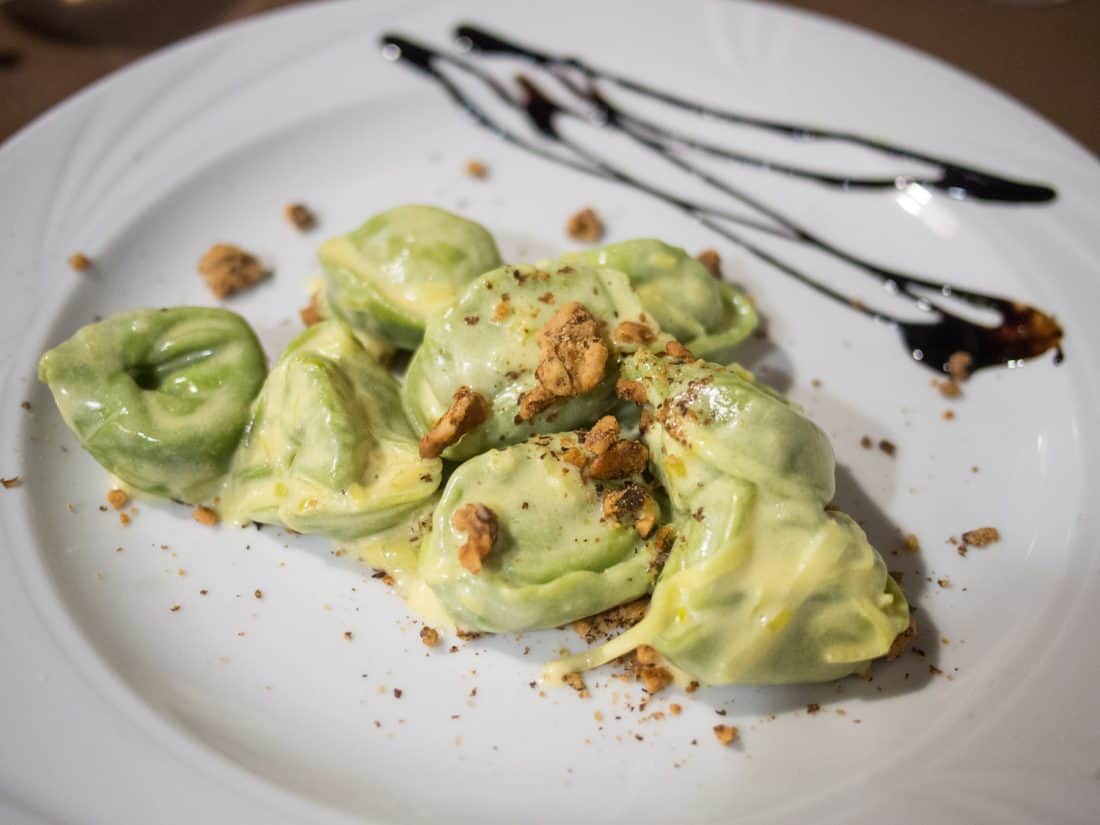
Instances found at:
x=1045 y=54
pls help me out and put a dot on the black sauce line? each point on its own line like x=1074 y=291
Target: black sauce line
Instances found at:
x=957 y=179
x=1024 y=332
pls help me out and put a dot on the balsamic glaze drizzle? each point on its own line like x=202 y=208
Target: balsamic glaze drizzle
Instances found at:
x=1024 y=331
x=956 y=179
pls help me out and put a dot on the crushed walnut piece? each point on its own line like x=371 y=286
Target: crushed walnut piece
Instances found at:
x=621 y=460
x=429 y=636
x=902 y=641
x=949 y=388
x=678 y=351
x=311 y=312
x=958 y=365
x=655 y=678
x=11 y=483
x=887 y=447
x=981 y=537
x=228 y=269
x=572 y=359
x=301 y=217
x=632 y=333
x=631 y=391
x=646 y=655
x=477 y=169
x=468 y=411
x=585 y=226
x=610 y=622
x=711 y=261
x=204 y=515
x=726 y=734
x=479 y=523
x=631 y=504
x=911 y=543
x=80 y=262
x=117 y=499
x=576 y=681
x=603 y=435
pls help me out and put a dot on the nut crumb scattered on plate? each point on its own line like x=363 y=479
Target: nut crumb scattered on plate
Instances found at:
x=477 y=169
x=301 y=217
x=712 y=261
x=585 y=226
x=981 y=536
x=726 y=734
x=204 y=515
x=228 y=269
x=80 y=262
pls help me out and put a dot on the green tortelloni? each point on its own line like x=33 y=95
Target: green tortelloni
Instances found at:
x=763 y=585
x=702 y=312
x=503 y=332
x=554 y=549
x=328 y=449
x=402 y=268
x=159 y=397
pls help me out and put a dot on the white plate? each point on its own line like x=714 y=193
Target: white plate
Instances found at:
x=114 y=709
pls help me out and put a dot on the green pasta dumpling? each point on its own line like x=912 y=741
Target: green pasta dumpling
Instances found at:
x=764 y=584
x=706 y=314
x=159 y=397
x=523 y=351
x=328 y=449
x=544 y=532
x=402 y=268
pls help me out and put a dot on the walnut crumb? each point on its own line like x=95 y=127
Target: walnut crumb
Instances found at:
x=80 y=262
x=911 y=543
x=633 y=333
x=711 y=261
x=477 y=169
x=572 y=360
x=576 y=681
x=480 y=525
x=726 y=734
x=675 y=709
x=117 y=498
x=174 y=608
x=10 y=483
x=958 y=365
x=502 y=309
x=259 y=594
x=347 y=636
x=311 y=312
x=655 y=678
x=301 y=217
x=585 y=226
x=865 y=442
x=678 y=351
x=945 y=583
x=813 y=708
x=468 y=411
x=903 y=640
x=631 y=391
x=646 y=655
x=228 y=269
x=621 y=459
x=631 y=504
x=981 y=536
x=123 y=519
x=205 y=516
x=429 y=636
x=948 y=415
x=949 y=388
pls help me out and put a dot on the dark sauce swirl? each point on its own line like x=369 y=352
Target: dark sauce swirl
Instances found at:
x=1024 y=332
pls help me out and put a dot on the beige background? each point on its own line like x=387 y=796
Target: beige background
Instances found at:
x=1046 y=54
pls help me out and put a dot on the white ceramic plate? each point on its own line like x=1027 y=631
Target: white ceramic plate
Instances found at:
x=115 y=709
